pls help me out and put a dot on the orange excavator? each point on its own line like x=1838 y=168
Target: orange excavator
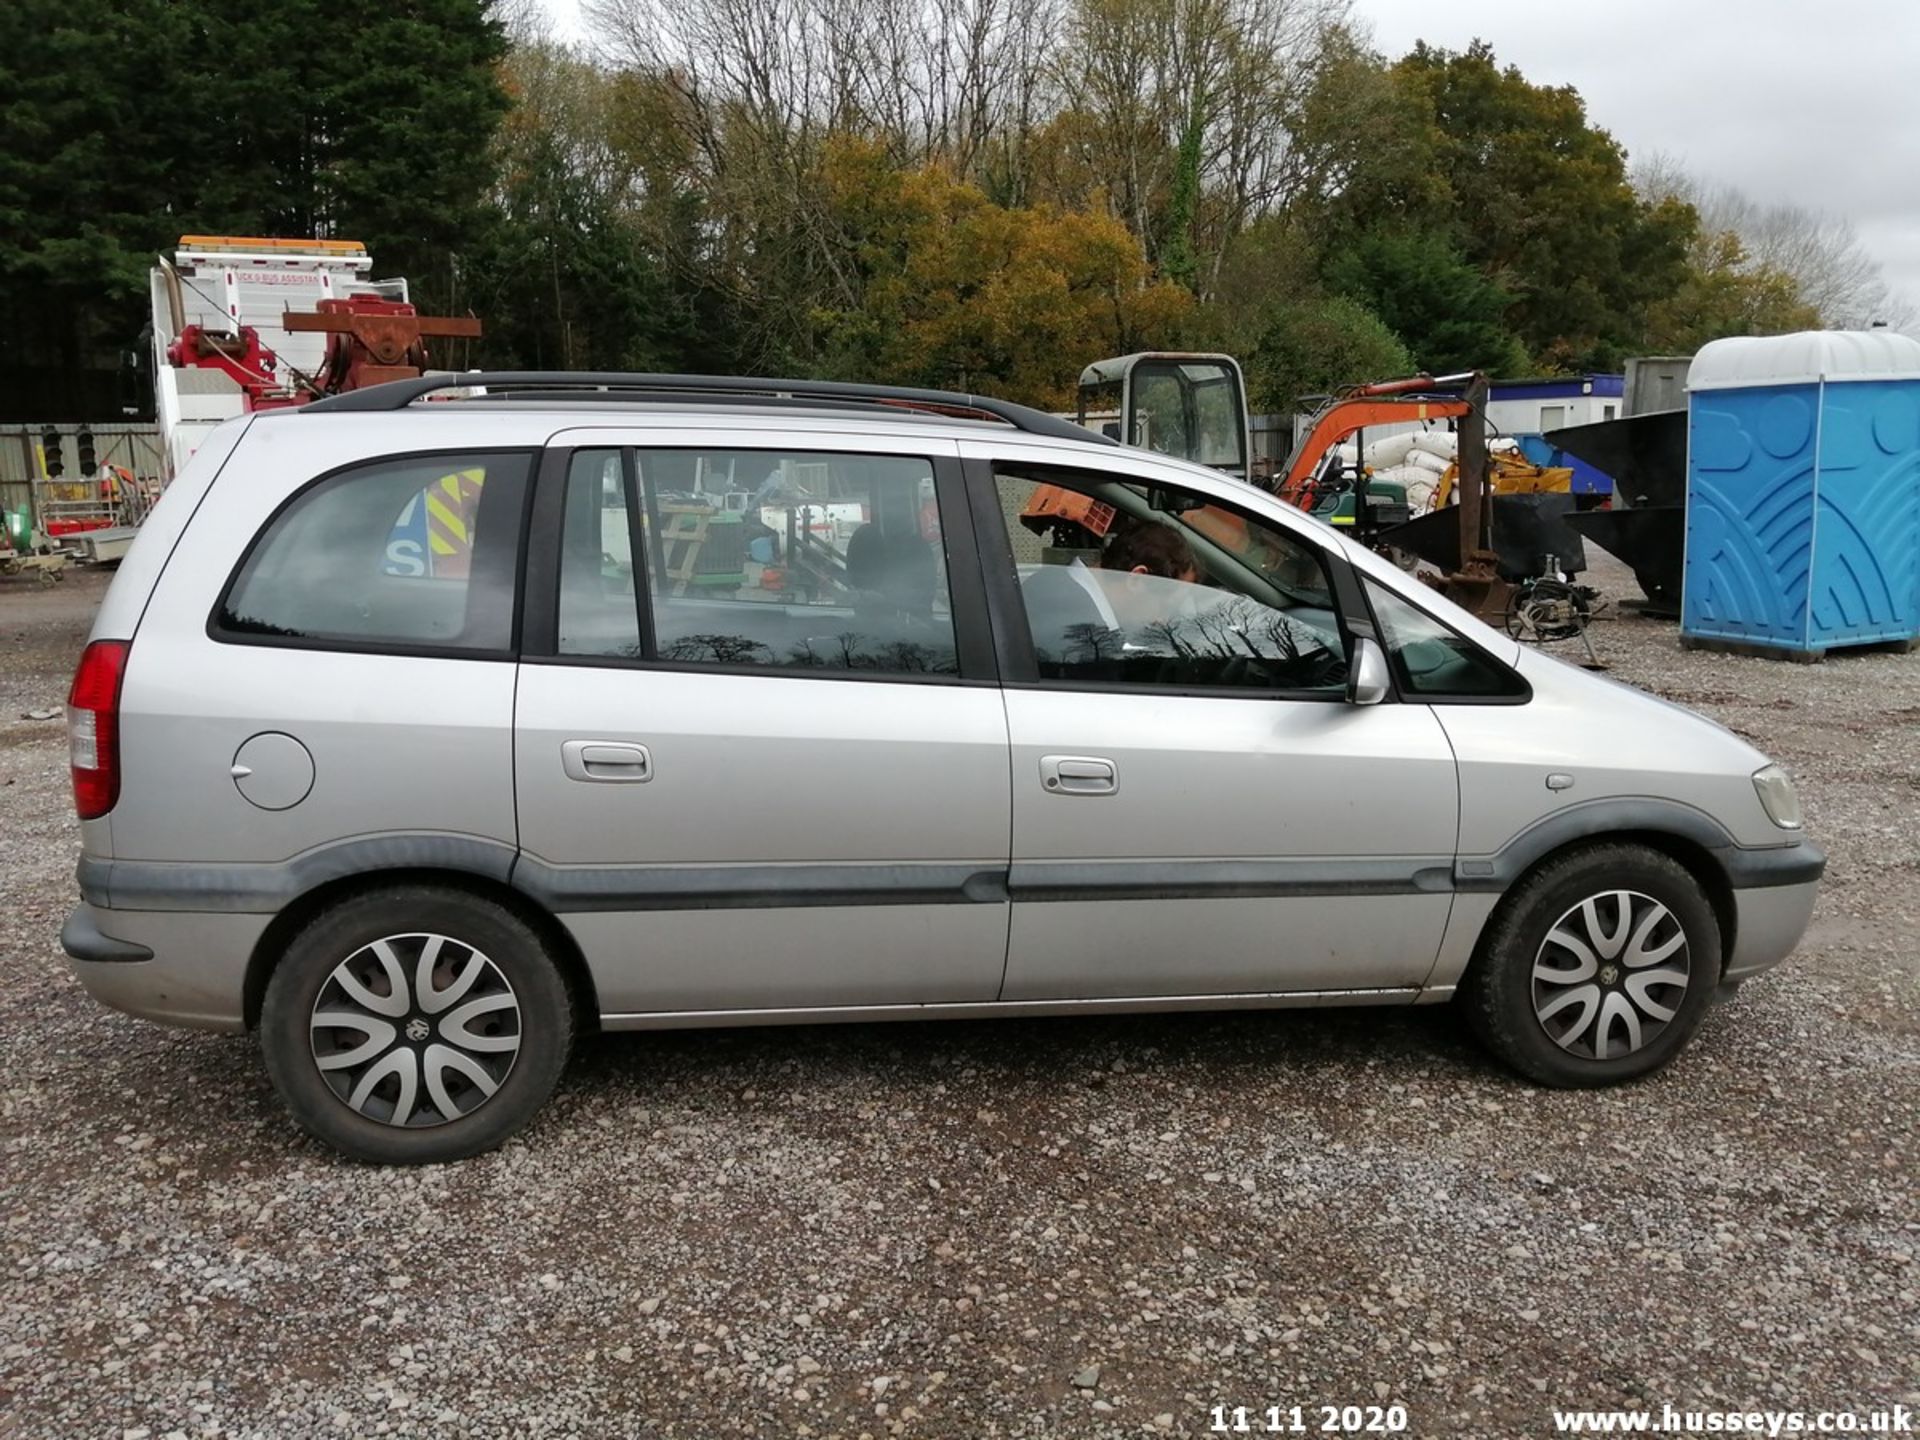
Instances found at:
x=1384 y=402
x=1123 y=393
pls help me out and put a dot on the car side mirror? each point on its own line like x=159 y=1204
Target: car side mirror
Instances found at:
x=1367 y=679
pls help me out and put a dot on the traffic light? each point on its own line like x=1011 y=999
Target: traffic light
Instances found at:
x=53 y=459
x=89 y=462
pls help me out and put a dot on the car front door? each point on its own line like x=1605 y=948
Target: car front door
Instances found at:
x=1197 y=808
x=761 y=763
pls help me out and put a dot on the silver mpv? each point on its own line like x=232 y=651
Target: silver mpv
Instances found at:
x=424 y=727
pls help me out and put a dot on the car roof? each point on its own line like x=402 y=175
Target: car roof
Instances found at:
x=536 y=418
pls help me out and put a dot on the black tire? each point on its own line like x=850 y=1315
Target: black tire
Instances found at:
x=1499 y=995
x=522 y=968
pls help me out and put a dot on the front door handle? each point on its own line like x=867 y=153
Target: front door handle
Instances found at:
x=1078 y=775
x=616 y=762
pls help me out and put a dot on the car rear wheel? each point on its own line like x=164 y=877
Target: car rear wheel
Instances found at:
x=1597 y=968
x=415 y=1024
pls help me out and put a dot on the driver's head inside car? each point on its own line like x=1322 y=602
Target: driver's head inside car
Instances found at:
x=1145 y=547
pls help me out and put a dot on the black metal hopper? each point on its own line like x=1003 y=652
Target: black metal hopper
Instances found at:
x=1647 y=457
x=1645 y=454
x=1526 y=528
x=1651 y=540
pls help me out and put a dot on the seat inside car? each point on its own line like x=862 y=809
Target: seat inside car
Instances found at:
x=891 y=567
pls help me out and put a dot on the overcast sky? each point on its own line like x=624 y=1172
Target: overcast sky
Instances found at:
x=1813 y=101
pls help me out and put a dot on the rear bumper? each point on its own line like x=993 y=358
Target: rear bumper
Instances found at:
x=1768 y=923
x=181 y=968
x=81 y=938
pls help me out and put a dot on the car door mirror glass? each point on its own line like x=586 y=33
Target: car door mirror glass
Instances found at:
x=1367 y=680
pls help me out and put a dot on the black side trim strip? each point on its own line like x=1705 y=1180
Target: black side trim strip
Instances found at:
x=80 y=937
x=264 y=889
x=574 y=889
x=1226 y=879
x=567 y=889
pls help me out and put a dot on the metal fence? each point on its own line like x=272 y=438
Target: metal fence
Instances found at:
x=133 y=447
x=122 y=486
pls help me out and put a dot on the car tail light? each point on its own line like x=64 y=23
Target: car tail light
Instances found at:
x=93 y=727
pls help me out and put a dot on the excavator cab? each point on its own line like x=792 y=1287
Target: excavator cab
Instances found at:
x=1190 y=406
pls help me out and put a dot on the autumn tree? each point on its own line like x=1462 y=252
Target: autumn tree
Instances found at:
x=1726 y=293
x=976 y=193
x=959 y=292
x=569 y=267
x=1178 y=109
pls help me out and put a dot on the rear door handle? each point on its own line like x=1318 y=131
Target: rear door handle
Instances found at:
x=1078 y=775
x=615 y=762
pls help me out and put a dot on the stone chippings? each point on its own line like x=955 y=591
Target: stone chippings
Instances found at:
x=1088 y=1227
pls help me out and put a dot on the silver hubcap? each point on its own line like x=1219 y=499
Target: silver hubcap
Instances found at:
x=416 y=1030
x=1610 y=975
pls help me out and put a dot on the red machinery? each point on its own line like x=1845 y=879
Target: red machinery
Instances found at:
x=241 y=357
x=371 y=341
x=282 y=322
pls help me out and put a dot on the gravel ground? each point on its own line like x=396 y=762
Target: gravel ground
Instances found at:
x=1084 y=1227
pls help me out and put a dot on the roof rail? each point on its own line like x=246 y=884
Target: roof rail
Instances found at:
x=399 y=394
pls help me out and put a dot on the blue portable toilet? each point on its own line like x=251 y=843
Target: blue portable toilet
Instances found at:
x=1803 y=491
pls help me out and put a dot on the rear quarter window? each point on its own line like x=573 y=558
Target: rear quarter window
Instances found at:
x=416 y=552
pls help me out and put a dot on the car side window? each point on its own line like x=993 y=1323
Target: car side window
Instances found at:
x=800 y=560
x=598 y=613
x=1120 y=585
x=1430 y=659
x=411 y=552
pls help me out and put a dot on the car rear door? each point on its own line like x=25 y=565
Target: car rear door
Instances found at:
x=760 y=758
x=1197 y=810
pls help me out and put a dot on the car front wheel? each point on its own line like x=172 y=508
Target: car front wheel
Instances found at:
x=1597 y=967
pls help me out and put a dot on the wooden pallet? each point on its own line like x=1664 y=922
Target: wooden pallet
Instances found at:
x=683 y=534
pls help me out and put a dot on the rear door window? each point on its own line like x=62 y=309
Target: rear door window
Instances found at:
x=800 y=560
x=414 y=553
x=598 y=612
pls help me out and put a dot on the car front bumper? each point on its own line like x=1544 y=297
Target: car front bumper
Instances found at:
x=1768 y=923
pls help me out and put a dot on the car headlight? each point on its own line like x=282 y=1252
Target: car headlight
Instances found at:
x=1775 y=790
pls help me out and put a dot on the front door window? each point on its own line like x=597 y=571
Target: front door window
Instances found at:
x=1125 y=586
